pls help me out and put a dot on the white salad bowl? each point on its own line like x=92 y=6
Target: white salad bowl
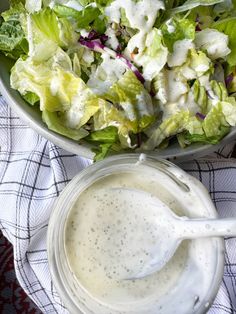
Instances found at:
x=32 y=117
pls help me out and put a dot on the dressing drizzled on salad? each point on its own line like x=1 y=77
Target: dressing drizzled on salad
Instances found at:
x=126 y=75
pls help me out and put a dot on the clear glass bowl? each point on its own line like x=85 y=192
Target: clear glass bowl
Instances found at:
x=71 y=292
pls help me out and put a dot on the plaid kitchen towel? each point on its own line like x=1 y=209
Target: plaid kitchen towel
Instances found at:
x=33 y=171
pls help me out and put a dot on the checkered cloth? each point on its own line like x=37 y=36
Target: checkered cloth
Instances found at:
x=33 y=171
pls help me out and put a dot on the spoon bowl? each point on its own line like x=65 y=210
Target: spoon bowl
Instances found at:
x=170 y=230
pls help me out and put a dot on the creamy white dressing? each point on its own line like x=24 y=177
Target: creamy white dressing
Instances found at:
x=214 y=42
x=77 y=110
x=170 y=26
x=33 y=5
x=107 y=236
x=112 y=39
x=151 y=64
x=180 y=52
x=144 y=104
x=71 y=4
x=176 y=86
x=141 y=14
x=106 y=74
x=88 y=56
x=55 y=85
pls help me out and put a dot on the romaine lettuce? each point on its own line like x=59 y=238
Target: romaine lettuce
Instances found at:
x=56 y=123
x=151 y=54
x=177 y=29
x=12 y=38
x=213 y=42
x=228 y=27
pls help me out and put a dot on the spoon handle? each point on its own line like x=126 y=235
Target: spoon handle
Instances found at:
x=195 y=228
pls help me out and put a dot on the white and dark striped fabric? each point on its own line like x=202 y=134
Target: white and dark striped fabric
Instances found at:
x=33 y=171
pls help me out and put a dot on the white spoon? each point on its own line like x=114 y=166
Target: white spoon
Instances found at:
x=172 y=229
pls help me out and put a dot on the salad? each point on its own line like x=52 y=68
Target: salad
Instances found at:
x=126 y=74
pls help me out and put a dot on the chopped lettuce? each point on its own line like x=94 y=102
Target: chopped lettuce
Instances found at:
x=228 y=27
x=167 y=128
x=213 y=42
x=44 y=40
x=135 y=102
x=177 y=29
x=128 y=107
x=151 y=55
x=107 y=116
x=31 y=98
x=57 y=124
x=83 y=105
x=196 y=65
x=83 y=17
x=186 y=138
x=12 y=38
x=107 y=141
x=190 y=4
x=121 y=75
x=107 y=135
x=106 y=74
x=215 y=120
x=33 y=5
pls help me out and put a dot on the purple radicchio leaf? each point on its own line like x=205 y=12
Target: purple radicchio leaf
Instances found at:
x=200 y=115
x=228 y=80
x=97 y=46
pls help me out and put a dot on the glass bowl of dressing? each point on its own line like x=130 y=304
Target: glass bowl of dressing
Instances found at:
x=95 y=240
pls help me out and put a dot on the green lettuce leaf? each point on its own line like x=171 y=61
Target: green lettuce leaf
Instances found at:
x=33 y=5
x=134 y=100
x=84 y=17
x=222 y=110
x=169 y=127
x=203 y=15
x=12 y=38
x=14 y=12
x=186 y=138
x=44 y=40
x=107 y=141
x=83 y=105
x=200 y=97
x=98 y=2
x=109 y=115
x=106 y=149
x=190 y=4
x=64 y=11
x=50 y=81
x=215 y=120
x=180 y=29
x=128 y=107
x=31 y=98
x=107 y=135
x=151 y=56
x=212 y=41
x=41 y=22
x=228 y=27
x=58 y=88
x=57 y=124
x=102 y=151
x=196 y=65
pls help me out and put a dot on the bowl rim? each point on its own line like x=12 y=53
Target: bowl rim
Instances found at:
x=181 y=154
